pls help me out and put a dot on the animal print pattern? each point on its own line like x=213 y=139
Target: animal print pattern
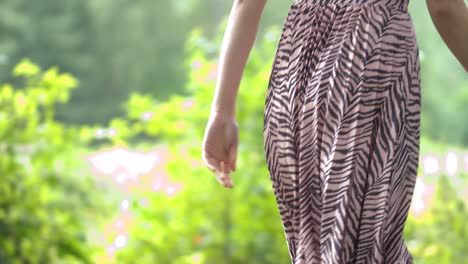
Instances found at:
x=341 y=130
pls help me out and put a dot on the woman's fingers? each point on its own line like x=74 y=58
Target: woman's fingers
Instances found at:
x=219 y=147
x=210 y=162
x=220 y=169
x=220 y=178
x=232 y=156
x=224 y=175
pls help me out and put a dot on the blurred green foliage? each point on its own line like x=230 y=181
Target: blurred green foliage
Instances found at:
x=441 y=233
x=48 y=202
x=46 y=199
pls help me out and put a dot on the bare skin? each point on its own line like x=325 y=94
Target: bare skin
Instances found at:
x=221 y=136
x=220 y=142
x=450 y=17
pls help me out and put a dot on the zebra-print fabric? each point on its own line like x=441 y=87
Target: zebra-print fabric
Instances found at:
x=341 y=130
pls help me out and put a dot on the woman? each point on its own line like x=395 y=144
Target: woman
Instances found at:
x=341 y=121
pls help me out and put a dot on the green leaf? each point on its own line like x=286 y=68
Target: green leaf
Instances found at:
x=26 y=68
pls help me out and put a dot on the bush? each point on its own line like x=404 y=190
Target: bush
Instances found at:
x=440 y=234
x=46 y=199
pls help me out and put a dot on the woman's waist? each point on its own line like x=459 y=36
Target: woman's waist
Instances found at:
x=393 y=4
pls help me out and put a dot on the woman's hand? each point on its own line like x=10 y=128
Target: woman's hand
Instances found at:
x=219 y=147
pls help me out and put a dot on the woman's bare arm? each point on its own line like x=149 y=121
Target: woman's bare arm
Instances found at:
x=451 y=20
x=238 y=41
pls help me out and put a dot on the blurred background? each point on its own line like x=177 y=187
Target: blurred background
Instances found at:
x=103 y=105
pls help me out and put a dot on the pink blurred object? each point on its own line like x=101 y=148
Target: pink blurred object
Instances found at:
x=188 y=104
x=451 y=163
x=430 y=164
x=146 y=116
x=120 y=159
x=196 y=64
x=465 y=162
x=134 y=171
x=422 y=196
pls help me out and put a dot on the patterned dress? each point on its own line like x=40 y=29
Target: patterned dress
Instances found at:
x=341 y=130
